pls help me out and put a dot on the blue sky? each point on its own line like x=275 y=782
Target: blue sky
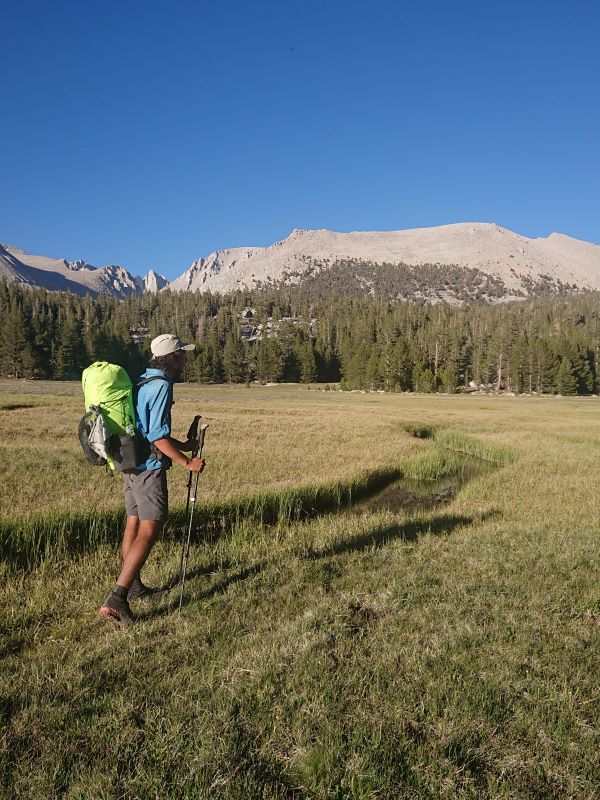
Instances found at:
x=151 y=133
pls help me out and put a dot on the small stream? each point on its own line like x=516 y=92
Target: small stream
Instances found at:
x=419 y=495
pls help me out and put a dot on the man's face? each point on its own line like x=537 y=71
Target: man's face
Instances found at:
x=179 y=357
x=177 y=363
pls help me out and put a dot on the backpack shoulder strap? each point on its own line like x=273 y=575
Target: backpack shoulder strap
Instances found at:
x=152 y=378
x=143 y=382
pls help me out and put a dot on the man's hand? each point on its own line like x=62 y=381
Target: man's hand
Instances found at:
x=196 y=464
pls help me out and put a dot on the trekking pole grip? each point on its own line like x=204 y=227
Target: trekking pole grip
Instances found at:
x=193 y=432
x=201 y=439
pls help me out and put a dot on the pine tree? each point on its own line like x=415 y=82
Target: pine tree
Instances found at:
x=214 y=356
x=42 y=331
x=202 y=368
x=422 y=378
x=404 y=365
x=544 y=367
x=308 y=362
x=16 y=354
x=269 y=361
x=581 y=358
x=449 y=378
x=566 y=382
x=354 y=368
x=373 y=378
x=234 y=358
x=69 y=360
x=519 y=377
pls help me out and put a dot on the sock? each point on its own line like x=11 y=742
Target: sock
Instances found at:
x=121 y=591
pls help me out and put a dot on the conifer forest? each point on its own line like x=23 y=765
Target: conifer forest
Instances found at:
x=290 y=334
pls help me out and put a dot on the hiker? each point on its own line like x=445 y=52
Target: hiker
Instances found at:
x=146 y=496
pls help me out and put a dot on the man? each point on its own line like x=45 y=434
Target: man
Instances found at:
x=146 y=496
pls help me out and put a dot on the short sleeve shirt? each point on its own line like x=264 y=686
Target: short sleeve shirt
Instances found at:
x=153 y=411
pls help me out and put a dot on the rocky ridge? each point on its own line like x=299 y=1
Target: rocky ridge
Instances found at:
x=57 y=274
x=451 y=263
x=517 y=262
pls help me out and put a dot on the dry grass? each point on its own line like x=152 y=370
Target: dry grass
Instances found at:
x=451 y=654
x=258 y=437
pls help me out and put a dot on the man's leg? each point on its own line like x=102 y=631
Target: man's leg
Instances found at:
x=116 y=608
x=138 y=588
x=138 y=550
x=129 y=536
x=152 y=505
x=146 y=504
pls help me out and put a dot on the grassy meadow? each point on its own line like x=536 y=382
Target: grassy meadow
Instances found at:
x=324 y=650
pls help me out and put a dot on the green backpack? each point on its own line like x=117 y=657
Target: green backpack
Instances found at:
x=107 y=431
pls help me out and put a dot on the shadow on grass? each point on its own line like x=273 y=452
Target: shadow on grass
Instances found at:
x=408 y=532
x=25 y=543
x=218 y=588
x=198 y=572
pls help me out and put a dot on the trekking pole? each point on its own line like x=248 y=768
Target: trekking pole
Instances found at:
x=185 y=553
x=192 y=434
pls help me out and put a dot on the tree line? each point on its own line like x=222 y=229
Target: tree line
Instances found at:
x=544 y=345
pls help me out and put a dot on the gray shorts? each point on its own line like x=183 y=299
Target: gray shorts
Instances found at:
x=146 y=494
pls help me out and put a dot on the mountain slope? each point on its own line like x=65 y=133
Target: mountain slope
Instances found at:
x=57 y=274
x=516 y=262
x=455 y=263
x=52 y=274
x=219 y=268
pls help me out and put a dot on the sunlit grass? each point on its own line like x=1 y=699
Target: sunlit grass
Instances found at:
x=335 y=654
x=279 y=437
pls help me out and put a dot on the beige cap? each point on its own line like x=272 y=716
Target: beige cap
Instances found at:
x=167 y=343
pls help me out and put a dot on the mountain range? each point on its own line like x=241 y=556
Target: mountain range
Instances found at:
x=17 y=266
x=493 y=263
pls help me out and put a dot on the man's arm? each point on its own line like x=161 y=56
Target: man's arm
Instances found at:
x=172 y=448
x=159 y=431
x=187 y=446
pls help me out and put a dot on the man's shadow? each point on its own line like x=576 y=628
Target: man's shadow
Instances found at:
x=409 y=531
x=218 y=588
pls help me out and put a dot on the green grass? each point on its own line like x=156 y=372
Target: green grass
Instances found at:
x=33 y=539
x=322 y=651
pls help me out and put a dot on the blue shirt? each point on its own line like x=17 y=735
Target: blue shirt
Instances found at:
x=153 y=403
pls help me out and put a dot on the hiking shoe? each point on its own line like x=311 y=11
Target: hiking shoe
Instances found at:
x=116 y=609
x=138 y=589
